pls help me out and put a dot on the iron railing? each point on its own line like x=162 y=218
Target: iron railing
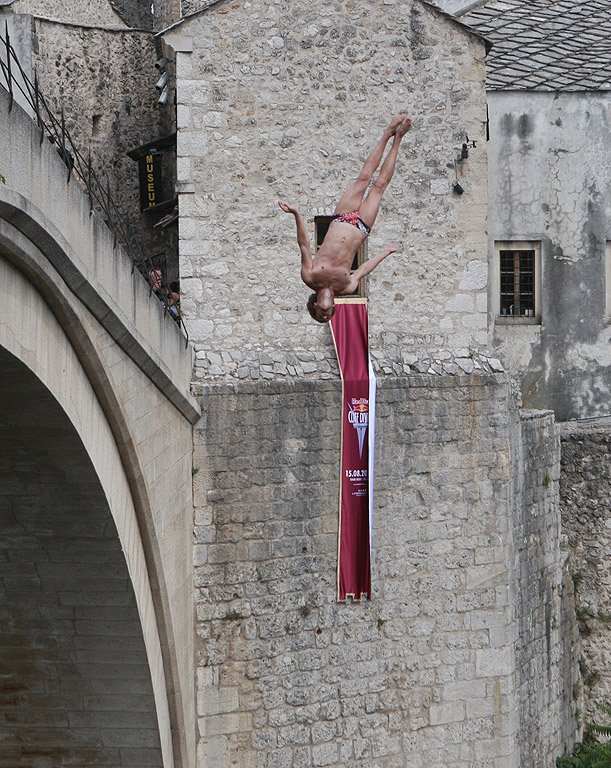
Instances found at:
x=96 y=185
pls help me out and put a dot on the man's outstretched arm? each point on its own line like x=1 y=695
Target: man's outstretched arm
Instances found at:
x=369 y=265
x=302 y=239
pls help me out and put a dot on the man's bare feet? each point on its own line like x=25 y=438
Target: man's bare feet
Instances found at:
x=395 y=123
x=404 y=126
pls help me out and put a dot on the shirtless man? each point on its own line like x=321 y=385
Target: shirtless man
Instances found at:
x=328 y=274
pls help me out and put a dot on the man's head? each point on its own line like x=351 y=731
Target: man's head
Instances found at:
x=155 y=277
x=321 y=305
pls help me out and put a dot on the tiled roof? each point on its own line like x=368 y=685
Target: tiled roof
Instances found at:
x=546 y=45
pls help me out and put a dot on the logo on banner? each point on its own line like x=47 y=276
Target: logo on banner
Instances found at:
x=358 y=416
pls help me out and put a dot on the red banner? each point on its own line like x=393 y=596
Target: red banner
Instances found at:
x=349 y=329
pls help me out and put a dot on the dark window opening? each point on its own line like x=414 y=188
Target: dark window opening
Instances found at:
x=321 y=225
x=517 y=283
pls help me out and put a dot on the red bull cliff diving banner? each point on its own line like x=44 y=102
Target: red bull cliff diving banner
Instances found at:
x=349 y=329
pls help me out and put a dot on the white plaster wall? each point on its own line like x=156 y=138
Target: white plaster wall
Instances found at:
x=285 y=103
x=549 y=182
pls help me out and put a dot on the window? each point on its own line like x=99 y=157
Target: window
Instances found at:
x=519 y=281
x=321 y=225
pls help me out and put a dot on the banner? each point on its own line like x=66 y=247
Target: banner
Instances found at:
x=149 y=168
x=349 y=330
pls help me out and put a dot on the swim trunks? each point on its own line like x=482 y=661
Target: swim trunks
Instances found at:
x=354 y=219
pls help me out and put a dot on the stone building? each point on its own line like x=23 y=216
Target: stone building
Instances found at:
x=548 y=95
x=549 y=229
x=95 y=64
x=275 y=105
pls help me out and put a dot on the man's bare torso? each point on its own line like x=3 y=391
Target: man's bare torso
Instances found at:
x=332 y=263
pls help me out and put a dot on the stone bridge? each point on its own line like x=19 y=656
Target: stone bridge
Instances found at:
x=96 y=606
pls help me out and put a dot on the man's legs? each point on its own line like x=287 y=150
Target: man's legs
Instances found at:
x=371 y=205
x=352 y=198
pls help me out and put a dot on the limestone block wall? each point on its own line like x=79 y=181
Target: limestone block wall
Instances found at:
x=544 y=630
x=285 y=102
x=585 y=487
x=459 y=660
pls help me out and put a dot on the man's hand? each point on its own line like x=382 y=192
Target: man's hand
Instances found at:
x=287 y=208
x=302 y=239
x=369 y=265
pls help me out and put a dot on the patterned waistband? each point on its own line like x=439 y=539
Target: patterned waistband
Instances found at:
x=352 y=218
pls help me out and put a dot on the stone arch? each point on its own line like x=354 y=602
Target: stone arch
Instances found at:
x=76 y=684
x=43 y=326
x=87 y=326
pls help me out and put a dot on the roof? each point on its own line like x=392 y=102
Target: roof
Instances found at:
x=545 y=45
x=469 y=28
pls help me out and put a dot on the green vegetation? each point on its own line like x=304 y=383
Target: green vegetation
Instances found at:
x=576 y=577
x=591 y=753
x=589 y=676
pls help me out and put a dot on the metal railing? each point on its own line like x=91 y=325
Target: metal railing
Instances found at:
x=95 y=184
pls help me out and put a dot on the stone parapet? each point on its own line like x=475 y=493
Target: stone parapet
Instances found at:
x=253 y=362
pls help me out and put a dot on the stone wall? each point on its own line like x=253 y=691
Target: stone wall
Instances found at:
x=135 y=13
x=104 y=80
x=460 y=658
x=100 y=13
x=165 y=12
x=545 y=630
x=286 y=104
x=585 y=490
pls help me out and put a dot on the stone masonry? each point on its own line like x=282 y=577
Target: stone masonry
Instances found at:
x=280 y=101
x=104 y=81
x=101 y=13
x=460 y=659
x=102 y=77
x=76 y=685
x=87 y=328
x=585 y=489
x=545 y=631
